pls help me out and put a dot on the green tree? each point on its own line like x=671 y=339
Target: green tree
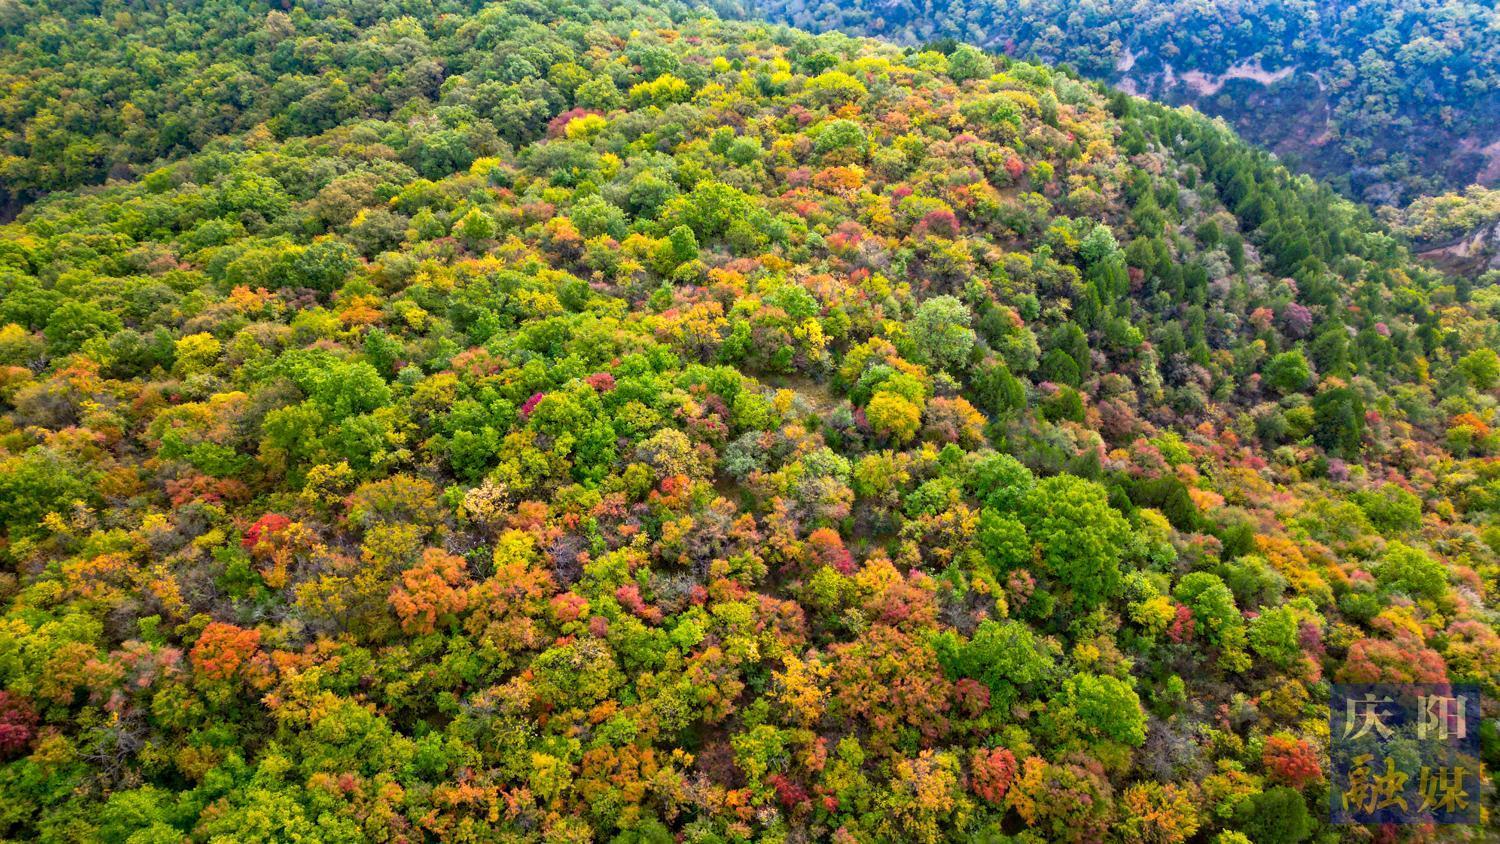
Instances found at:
x=37 y=483
x=322 y=266
x=1391 y=509
x=1278 y=814
x=1004 y=541
x=1081 y=536
x=1274 y=636
x=1058 y=366
x=1108 y=705
x=844 y=138
x=1339 y=421
x=998 y=391
x=1001 y=482
x=75 y=322
x=1411 y=571
x=968 y=62
x=682 y=246
x=1212 y=604
x=940 y=329
x=1099 y=245
x=474 y=228
x=1004 y=655
x=1481 y=367
x=599 y=93
x=1287 y=372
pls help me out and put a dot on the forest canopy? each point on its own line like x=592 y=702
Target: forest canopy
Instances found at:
x=581 y=421
x=1388 y=99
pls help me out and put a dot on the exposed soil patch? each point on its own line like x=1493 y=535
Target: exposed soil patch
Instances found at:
x=1206 y=85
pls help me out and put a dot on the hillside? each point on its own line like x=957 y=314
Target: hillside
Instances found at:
x=1387 y=99
x=1459 y=231
x=587 y=421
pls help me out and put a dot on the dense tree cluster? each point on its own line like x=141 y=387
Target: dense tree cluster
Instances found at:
x=1439 y=219
x=1389 y=98
x=590 y=421
x=1457 y=231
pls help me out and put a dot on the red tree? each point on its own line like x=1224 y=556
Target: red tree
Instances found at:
x=992 y=773
x=17 y=724
x=222 y=649
x=1291 y=761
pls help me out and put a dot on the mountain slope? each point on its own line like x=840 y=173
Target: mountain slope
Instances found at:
x=1461 y=231
x=1386 y=99
x=660 y=428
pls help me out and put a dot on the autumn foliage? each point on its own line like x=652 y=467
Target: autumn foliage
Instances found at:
x=606 y=422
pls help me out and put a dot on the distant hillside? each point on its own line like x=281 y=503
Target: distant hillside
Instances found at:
x=1386 y=99
x=1456 y=231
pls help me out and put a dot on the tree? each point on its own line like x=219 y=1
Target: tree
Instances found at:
x=661 y=91
x=1068 y=801
x=941 y=332
x=968 y=62
x=595 y=216
x=1402 y=659
x=1291 y=761
x=1212 y=605
x=474 y=228
x=1411 y=571
x=348 y=389
x=991 y=773
x=1161 y=813
x=709 y=209
x=222 y=648
x=196 y=353
x=843 y=140
x=1057 y=365
x=37 y=483
x=1000 y=482
x=431 y=593
x=682 y=246
x=1339 y=421
x=894 y=416
x=17 y=724
x=1099 y=245
x=1109 y=706
x=1004 y=655
x=1481 y=367
x=576 y=674
x=75 y=322
x=920 y=804
x=599 y=93
x=1004 y=541
x=323 y=265
x=1287 y=372
x=1275 y=635
x=834 y=87
x=1082 y=538
x=998 y=391
x=1278 y=814
x=1391 y=509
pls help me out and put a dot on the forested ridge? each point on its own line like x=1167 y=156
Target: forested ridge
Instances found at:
x=1387 y=99
x=573 y=421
